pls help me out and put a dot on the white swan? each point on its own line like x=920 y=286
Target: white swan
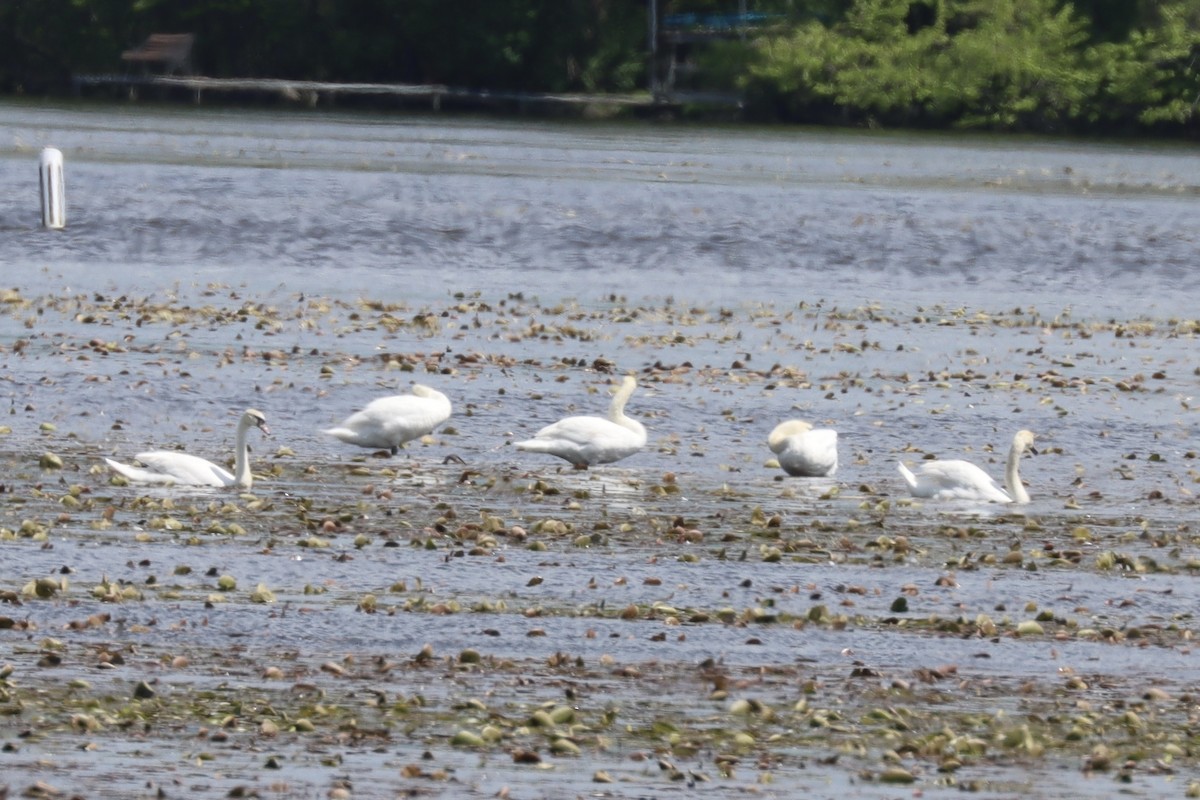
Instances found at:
x=803 y=451
x=389 y=422
x=584 y=441
x=962 y=480
x=171 y=466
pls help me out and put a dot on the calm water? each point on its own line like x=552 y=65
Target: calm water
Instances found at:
x=930 y=292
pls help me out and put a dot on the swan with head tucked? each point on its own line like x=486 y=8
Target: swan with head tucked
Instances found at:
x=584 y=441
x=962 y=480
x=803 y=451
x=172 y=466
x=388 y=422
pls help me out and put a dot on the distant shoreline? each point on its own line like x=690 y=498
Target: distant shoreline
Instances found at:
x=435 y=97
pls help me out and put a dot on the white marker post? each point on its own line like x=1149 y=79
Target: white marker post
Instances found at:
x=54 y=198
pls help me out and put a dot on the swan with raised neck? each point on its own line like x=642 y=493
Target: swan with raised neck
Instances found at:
x=955 y=479
x=587 y=440
x=174 y=467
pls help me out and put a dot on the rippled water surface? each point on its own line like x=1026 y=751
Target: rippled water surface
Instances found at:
x=438 y=205
x=923 y=295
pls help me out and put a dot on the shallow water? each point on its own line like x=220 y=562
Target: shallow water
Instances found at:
x=920 y=294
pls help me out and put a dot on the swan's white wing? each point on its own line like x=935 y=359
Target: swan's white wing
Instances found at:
x=955 y=480
x=139 y=474
x=586 y=440
x=579 y=430
x=166 y=466
x=408 y=411
x=391 y=421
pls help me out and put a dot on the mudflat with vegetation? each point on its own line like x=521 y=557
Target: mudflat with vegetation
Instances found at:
x=464 y=620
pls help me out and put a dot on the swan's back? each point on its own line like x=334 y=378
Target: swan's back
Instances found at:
x=953 y=480
x=587 y=440
x=173 y=466
x=167 y=466
x=389 y=422
x=803 y=451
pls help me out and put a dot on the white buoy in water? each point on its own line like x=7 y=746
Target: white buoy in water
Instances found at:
x=54 y=197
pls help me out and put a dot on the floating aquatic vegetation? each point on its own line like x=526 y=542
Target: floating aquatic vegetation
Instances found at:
x=861 y=636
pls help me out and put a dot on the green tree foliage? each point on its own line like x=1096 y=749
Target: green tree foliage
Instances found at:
x=532 y=45
x=1014 y=63
x=1152 y=79
x=43 y=42
x=1044 y=65
x=1000 y=64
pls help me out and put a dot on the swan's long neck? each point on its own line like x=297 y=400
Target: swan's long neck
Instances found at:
x=1012 y=477
x=241 y=456
x=616 y=410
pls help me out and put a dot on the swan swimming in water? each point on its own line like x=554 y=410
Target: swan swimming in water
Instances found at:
x=803 y=451
x=389 y=422
x=584 y=441
x=962 y=480
x=172 y=466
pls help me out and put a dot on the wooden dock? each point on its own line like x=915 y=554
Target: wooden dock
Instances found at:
x=315 y=93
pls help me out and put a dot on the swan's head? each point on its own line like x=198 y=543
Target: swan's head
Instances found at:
x=1023 y=441
x=616 y=409
x=254 y=418
x=625 y=390
x=785 y=430
x=421 y=390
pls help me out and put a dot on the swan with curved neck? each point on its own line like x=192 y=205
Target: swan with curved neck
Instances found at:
x=804 y=451
x=171 y=466
x=389 y=422
x=586 y=440
x=962 y=480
